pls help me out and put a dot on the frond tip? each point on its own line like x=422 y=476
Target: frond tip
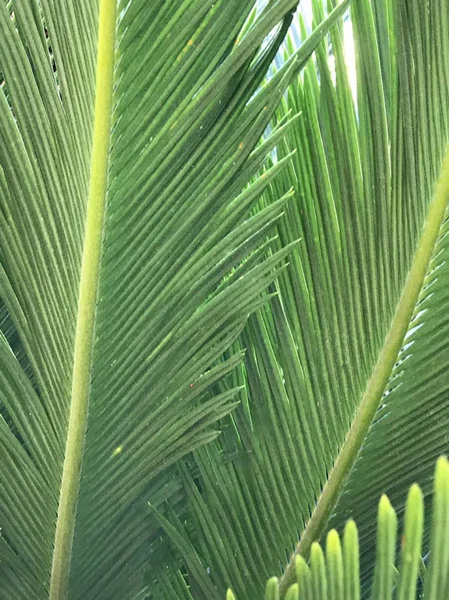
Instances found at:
x=333 y=573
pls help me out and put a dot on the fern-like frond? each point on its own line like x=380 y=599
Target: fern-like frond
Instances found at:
x=128 y=131
x=346 y=371
x=333 y=570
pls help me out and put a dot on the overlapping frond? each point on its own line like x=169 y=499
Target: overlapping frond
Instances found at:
x=412 y=418
x=329 y=392
x=105 y=379
x=334 y=571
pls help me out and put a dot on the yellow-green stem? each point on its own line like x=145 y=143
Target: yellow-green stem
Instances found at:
x=379 y=379
x=87 y=302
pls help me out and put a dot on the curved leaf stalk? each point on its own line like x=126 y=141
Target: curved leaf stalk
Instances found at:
x=379 y=379
x=87 y=302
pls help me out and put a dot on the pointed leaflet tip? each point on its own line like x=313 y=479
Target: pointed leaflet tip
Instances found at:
x=293 y=592
x=272 y=589
x=333 y=545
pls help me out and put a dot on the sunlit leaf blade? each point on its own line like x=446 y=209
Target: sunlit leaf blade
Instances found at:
x=385 y=551
x=328 y=393
x=412 y=420
x=182 y=145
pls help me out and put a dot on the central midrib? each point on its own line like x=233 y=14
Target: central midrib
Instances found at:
x=379 y=378
x=90 y=267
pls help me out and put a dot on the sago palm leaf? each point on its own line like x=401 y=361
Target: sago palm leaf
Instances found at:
x=346 y=372
x=127 y=133
x=334 y=572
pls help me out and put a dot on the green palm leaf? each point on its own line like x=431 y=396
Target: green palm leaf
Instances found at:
x=346 y=371
x=334 y=572
x=127 y=132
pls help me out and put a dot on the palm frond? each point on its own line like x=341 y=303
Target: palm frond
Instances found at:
x=127 y=133
x=333 y=571
x=346 y=371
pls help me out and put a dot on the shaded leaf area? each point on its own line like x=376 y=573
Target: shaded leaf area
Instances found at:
x=170 y=301
x=364 y=174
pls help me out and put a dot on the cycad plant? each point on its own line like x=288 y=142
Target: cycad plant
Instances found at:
x=214 y=347
x=334 y=572
x=345 y=378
